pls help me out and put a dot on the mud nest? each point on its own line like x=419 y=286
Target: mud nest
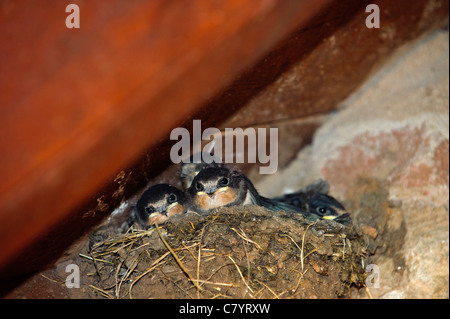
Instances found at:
x=245 y=252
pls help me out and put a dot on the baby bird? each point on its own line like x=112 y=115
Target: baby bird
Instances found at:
x=215 y=187
x=315 y=200
x=158 y=203
x=191 y=169
x=311 y=201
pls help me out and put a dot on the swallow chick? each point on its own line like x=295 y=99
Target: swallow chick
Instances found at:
x=315 y=200
x=192 y=168
x=158 y=203
x=329 y=208
x=215 y=187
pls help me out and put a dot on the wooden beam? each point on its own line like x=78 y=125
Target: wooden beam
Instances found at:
x=80 y=104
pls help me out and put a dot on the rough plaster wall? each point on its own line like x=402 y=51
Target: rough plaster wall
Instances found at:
x=395 y=130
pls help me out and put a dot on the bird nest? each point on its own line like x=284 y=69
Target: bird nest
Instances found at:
x=238 y=252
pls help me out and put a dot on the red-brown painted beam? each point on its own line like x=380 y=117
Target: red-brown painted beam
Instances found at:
x=77 y=105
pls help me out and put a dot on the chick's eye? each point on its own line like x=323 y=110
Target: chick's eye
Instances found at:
x=149 y=210
x=199 y=186
x=224 y=181
x=172 y=198
x=321 y=210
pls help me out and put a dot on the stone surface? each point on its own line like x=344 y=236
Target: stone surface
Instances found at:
x=386 y=155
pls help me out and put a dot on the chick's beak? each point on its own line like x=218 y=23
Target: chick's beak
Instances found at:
x=212 y=193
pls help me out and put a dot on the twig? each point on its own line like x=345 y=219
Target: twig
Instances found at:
x=198 y=262
x=300 y=279
x=343 y=249
x=303 y=246
x=175 y=284
x=244 y=237
x=248 y=261
x=240 y=273
x=302 y=257
x=215 y=272
x=268 y=288
x=95 y=259
x=368 y=292
x=52 y=280
x=292 y=239
x=102 y=292
x=152 y=267
x=259 y=292
x=128 y=273
x=177 y=259
x=218 y=283
x=311 y=251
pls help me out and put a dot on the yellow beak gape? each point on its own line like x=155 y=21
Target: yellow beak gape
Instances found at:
x=220 y=190
x=154 y=214
x=171 y=206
